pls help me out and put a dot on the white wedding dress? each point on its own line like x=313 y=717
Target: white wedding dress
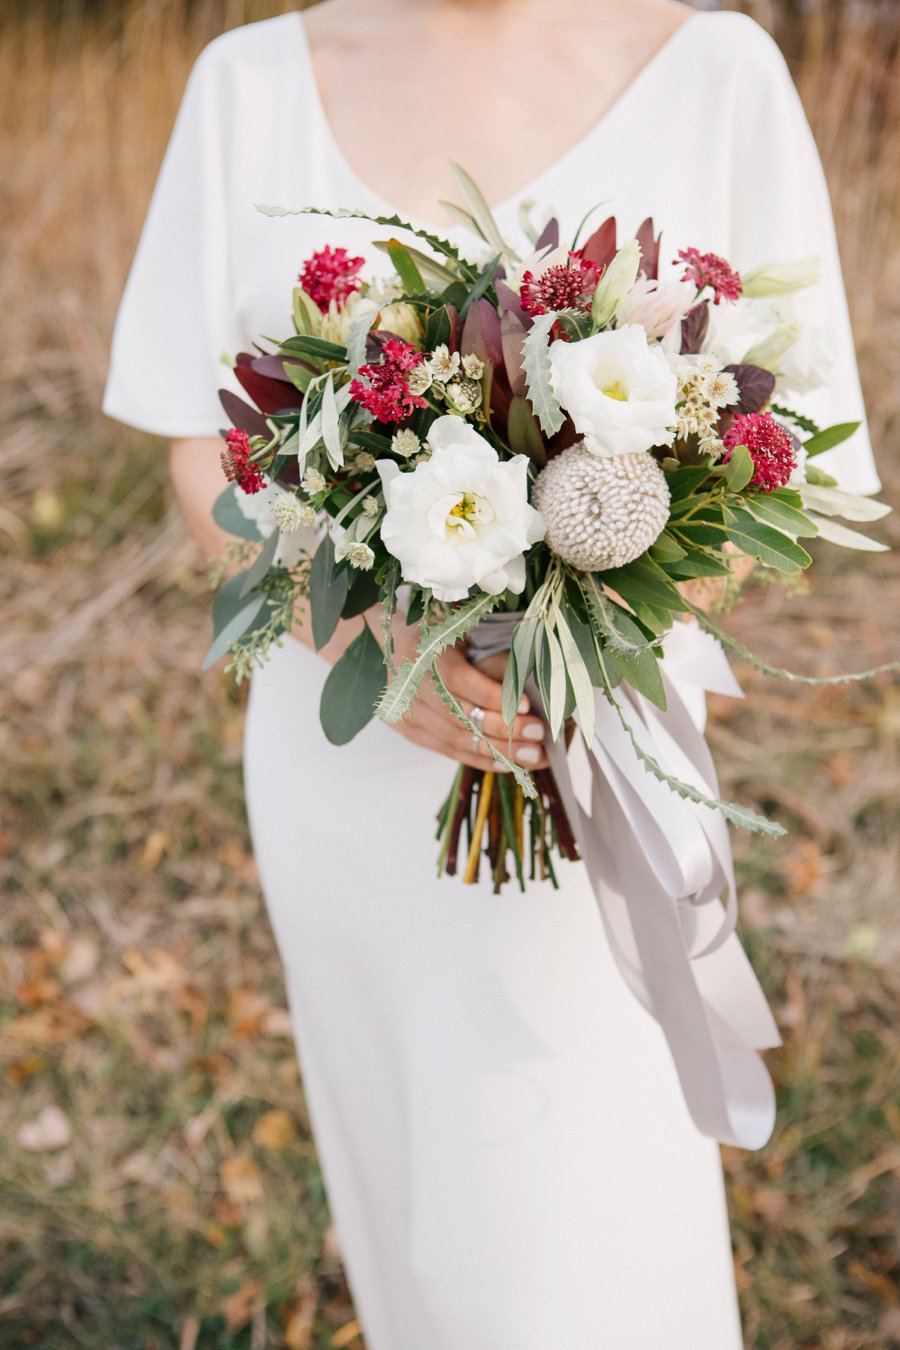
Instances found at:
x=504 y=1141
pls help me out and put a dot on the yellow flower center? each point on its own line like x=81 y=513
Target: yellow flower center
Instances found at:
x=615 y=391
x=466 y=508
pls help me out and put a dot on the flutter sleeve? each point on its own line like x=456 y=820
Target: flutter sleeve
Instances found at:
x=781 y=212
x=176 y=315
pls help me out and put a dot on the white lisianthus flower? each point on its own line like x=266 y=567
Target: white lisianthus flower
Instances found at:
x=461 y=518
x=619 y=392
x=656 y=305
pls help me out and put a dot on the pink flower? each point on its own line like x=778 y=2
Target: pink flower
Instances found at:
x=237 y=465
x=384 y=389
x=770 y=449
x=708 y=269
x=568 y=285
x=330 y=274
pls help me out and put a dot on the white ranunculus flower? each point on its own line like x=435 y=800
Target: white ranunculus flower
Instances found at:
x=619 y=392
x=461 y=518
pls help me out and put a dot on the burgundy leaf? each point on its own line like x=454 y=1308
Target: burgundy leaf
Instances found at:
x=600 y=248
x=512 y=331
x=274 y=366
x=693 y=328
x=507 y=299
x=549 y=236
x=481 y=333
x=649 y=249
x=755 y=384
x=241 y=415
x=270 y=396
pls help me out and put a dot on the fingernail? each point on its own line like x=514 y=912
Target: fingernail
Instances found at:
x=524 y=705
x=534 y=731
x=529 y=754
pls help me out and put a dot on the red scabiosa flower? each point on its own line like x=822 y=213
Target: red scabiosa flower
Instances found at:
x=330 y=274
x=237 y=465
x=384 y=387
x=708 y=269
x=770 y=449
x=568 y=285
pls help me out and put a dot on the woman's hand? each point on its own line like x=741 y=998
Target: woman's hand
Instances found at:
x=431 y=724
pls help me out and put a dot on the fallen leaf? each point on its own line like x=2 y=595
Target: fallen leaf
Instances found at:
x=274 y=1130
x=242 y=1180
x=48 y=1130
x=239 y=1307
x=298 y=1328
x=152 y=853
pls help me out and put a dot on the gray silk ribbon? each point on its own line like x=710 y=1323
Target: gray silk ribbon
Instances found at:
x=659 y=865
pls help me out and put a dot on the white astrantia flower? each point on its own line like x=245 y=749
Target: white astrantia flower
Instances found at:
x=461 y=518
x=313 y=482
x=290 y=513
x=370 y=506
x=405 y=443
x=463 y=395
x=419 y=379
x=261 y=507
x=361 y=556
x=619 y=392
x=443 y=364
x=473 y=366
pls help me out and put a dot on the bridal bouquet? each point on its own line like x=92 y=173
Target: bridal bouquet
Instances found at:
x=539 y=451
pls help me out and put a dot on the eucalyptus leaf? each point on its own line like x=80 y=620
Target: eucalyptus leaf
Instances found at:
x=229 y=516
x=232 y=616
x=261 y=563
x=352 y=688
x=327 y=592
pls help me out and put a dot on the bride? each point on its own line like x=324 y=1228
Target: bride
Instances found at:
x=506 y=1150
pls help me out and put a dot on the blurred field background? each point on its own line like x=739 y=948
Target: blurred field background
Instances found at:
x=158 y=1184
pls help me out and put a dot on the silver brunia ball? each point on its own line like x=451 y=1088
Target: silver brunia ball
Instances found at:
x=601 y=510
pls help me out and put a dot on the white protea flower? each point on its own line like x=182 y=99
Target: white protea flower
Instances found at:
x=656 y=305
x=601 y=511
x=443 y=363
x=405 y=443
x=402 y=320
x=360 y=556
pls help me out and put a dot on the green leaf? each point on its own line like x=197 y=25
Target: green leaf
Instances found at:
x=307 y=315
x=432 y=272
x=643 y=582
x=683 y=482
x=739 y=469
x=666 y=549
x=829 y=438
x=229 y=516
x=261 y=564
x=481 y=212
x=459 y=713
x=352 y=688
x=299 y=376
x=771 y=511
x=327 y=592
x=443 y=246
x=232 y=616
x=397 y=698
x=523 y=433
x=731 y=644
x=768 y=545
x=829 y=501
x=732 y=811
x=639 y=668
x=331 y=425
x=579 y=677
x=305 y=345
x=536 y=364
x=552 y=681
x=698 y=564
x=842 y=534
x=438 y=329
x=604 y=612
x=485 y=279
x=519 y=667
x=362 y=594
x=408 y=272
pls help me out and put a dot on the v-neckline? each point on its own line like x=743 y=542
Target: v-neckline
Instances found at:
x=533 y=185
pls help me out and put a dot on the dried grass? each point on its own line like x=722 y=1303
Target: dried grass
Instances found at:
x=168 y=1195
